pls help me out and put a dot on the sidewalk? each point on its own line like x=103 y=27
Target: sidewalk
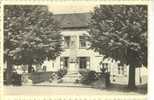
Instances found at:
x=47 y=88
x=52 y=91
x=141 y=89
x=54 y=84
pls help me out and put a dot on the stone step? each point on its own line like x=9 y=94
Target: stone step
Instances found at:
x=70 y=80
x=72 y=73
x=71 y=77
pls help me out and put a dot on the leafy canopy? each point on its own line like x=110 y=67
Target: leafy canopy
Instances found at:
x=31 y=34
x=120 y=32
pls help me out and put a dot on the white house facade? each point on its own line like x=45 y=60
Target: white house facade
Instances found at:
x=76 y=54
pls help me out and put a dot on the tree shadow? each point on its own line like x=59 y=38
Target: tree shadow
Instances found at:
x=141 y=89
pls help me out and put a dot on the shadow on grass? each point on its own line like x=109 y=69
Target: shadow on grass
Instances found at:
x=141 y=89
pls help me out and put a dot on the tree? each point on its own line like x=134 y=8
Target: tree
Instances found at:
x=31 y=35
x=120 y=32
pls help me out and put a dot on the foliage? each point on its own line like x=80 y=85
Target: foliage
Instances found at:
x=116 y=31
x=16 y=79
x=120 y=32
x=83 y=71
x=53 y=76
x=31 y=35
x=88 y=77
x=61 y=73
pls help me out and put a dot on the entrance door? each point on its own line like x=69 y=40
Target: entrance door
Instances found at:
x=66 y=59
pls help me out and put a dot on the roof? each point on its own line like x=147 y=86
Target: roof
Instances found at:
x=73 y=20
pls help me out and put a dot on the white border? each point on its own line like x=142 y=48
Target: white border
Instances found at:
x=106 y=2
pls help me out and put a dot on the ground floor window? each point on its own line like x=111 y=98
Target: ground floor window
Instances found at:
x=121 y=69
x=64 y=62
x=84 y=62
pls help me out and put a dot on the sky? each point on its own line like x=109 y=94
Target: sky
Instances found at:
x=71 y=8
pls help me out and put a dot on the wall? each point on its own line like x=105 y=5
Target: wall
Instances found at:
x=95 y=58
x=37 y=77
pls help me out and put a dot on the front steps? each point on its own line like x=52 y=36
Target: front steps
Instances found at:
x=71 y=77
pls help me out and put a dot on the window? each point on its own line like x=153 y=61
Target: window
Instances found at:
x=82 y=41
x=84 y=62
x=64 y=62
x=52 y=64
x=66 y=41
x=121 y=70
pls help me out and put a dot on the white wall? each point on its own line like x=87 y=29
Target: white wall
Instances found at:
x=80 y=52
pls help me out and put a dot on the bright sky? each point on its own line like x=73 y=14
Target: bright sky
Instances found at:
x=71 y=8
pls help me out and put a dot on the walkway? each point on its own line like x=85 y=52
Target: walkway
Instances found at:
x=50 y=90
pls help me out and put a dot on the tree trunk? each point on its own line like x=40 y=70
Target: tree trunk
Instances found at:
x=29 y=68
x=131 y=81
x=9 y=72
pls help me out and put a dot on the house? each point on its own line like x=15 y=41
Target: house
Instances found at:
x=77 y=55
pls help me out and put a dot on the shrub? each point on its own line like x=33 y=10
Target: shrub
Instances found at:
x=53 y=76
x=84 y=72
x=61 y=73
x=88 y=77
x=16 y=79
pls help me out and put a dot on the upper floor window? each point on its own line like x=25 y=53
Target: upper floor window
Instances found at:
x=66 y=41
x=82 y=41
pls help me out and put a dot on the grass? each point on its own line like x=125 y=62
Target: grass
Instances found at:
x=141 y=89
